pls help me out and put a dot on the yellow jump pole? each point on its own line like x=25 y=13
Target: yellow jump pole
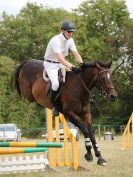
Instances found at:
x=67 y=135
x=52 y=162
x=127 y=136
x=58 y=151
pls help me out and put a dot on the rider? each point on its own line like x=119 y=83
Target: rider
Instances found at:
x=54 y=58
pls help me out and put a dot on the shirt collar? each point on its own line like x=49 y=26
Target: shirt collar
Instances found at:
x=62 y=37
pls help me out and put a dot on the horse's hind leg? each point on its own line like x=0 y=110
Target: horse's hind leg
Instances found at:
x=26 y=90
x=100 y=161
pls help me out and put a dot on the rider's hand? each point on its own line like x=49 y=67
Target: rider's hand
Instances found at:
x=75 y=69
x=83 y=65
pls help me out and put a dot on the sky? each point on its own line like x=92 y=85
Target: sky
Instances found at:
x=12 y=7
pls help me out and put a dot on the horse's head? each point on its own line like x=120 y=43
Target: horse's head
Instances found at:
x=104 y=81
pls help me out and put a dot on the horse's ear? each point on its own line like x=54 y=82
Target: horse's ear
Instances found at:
x=98 y=66
x=109 y=64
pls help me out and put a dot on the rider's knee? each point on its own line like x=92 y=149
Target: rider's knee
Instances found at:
x=55 y=86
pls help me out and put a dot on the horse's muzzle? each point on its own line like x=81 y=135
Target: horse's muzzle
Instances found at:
x=112 y=95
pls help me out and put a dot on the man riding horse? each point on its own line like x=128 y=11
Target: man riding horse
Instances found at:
x=54 y=58
x=74 y=97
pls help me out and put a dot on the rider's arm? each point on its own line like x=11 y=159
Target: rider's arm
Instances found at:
x=75 y=51
x=77 y=56
x=61 y=59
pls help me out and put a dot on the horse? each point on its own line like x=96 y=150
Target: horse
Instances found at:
x=74 y=95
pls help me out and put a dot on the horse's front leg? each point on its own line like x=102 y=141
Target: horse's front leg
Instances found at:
x=101 y=160
x=76 y=120
x=87 y=119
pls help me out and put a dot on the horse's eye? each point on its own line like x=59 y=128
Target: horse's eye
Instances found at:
x=104 y=78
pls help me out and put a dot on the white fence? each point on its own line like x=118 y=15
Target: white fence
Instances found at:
x=21 y=164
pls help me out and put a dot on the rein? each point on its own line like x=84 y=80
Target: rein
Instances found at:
x=85 y=85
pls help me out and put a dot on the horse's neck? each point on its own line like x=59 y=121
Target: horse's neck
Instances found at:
x=79 y=83
x=89 y=76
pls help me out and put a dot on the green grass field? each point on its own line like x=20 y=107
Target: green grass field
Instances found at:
x=120 y=163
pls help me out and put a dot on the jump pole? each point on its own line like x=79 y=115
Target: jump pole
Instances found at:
x=31 y=144
x=127 y=136
x=21 y=150
x=59 y=162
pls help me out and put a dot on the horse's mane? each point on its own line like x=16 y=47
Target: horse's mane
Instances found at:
x=93 y=64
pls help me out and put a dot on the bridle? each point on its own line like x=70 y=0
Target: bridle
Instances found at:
x=104 y=90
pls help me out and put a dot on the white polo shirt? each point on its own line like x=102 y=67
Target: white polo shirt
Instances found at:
x=59 y=44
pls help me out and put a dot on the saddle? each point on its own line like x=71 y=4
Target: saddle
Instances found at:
x=61 y=78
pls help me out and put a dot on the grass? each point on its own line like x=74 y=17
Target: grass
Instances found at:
x=120 y=163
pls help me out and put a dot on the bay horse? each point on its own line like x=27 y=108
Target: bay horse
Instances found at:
x=74 y=97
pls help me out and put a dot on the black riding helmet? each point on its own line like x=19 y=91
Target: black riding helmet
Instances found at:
x=68 y=26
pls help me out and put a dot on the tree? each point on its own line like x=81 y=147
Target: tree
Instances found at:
x=103 y=30
x=27 y=34
x=101 y=25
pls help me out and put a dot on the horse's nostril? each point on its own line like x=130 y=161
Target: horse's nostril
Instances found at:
x=112 y=97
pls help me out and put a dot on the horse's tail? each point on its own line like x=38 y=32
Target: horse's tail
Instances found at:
x=16 y=76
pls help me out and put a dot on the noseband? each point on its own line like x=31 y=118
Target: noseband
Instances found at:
x=104 y=91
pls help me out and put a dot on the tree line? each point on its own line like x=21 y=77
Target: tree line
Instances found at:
x=104 y=32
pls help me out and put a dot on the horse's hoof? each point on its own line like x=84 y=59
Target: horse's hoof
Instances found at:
x=89 y=157
x=101 y=162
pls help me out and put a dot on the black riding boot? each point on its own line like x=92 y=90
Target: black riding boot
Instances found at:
x=54 y=94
